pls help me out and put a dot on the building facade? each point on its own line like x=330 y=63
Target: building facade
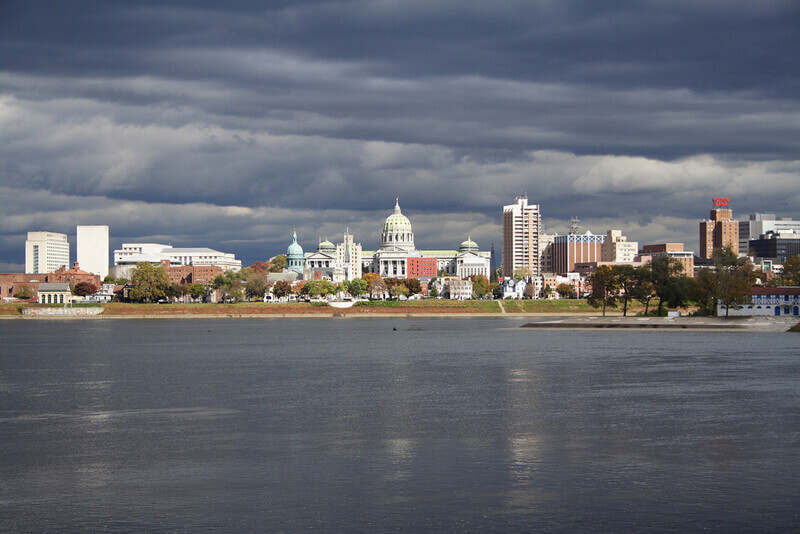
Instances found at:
x=126 y=258
x=673 y=250
x=522 y=224
x=616 y=248
x=45 y=252
x=575 y=248
x=92 y=249
x=776 y=247
x=719 y=230
x=766 y=301
x=758 y=224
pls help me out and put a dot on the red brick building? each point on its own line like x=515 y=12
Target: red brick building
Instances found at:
x=421 y=267
x=10 y=283
x=191 y=274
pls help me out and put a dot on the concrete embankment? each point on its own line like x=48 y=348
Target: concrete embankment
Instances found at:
x=753 y=324
x=62 y=312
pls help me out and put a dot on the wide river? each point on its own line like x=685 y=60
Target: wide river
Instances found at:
x=350 y=425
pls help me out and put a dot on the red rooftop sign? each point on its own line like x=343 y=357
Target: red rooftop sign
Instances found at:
x=721 y=202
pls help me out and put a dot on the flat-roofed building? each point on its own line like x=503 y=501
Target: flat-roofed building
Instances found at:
x=575 y=248
x=92 y=249
x=45 y=252
x=616 y=248
x=758 y=224
x=125 y=259
x=673 y=250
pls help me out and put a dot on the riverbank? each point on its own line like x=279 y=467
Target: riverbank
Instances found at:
x=753 y=324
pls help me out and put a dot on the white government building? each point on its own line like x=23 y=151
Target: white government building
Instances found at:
x=397 y=246
x=126 y=258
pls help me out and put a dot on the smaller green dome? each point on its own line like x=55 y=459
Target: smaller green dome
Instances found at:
x=468 y=246
x=326 y=246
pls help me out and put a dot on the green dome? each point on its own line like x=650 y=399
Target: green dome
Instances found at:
x=294 y=250
x=326 y=246
x=468 y=246
x=397 y=221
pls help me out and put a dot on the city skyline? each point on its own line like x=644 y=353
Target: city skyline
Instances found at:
x=229 y=127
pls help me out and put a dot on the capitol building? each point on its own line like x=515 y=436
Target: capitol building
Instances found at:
x=397 y=256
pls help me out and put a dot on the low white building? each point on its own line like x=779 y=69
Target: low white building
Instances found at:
x=54 y=293
x=457 y=289
x=766 y=301
x=126 y=258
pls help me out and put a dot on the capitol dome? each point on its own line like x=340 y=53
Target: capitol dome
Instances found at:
x=397 y=232
x=326 y=247
x=295 y=259
x=468 y=246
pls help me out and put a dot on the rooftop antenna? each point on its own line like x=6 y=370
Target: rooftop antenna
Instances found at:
x=574 y=224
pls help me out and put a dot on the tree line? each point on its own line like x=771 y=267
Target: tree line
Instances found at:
x=729 y=282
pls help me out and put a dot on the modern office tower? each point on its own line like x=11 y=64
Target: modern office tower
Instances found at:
x=616 y=248
x=45 y=252
x=92 y=249
x=758 y=224
x=522 y=223
x=720 y=230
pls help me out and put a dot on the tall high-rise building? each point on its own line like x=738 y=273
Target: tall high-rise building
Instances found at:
x=758 y=224
x=719 y=230
x=45 y=252
x=522 y=223
x=92 y=249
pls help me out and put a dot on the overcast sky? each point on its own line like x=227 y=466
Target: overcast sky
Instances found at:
x=227 y=124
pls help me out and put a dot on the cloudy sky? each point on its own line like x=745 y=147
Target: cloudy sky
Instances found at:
x=227 y=124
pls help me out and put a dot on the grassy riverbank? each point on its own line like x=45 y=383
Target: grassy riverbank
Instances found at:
x=427 y=307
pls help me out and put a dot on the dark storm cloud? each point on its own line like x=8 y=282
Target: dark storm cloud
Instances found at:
x=629 y=114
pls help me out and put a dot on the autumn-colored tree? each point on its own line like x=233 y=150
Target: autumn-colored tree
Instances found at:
x=281 y=289
x=398 y=289
x=791 y=271
x=413 y=285
x=23 y=292
x=260 y=266
x=84 y=288
x=566 y=291
x=257 y=285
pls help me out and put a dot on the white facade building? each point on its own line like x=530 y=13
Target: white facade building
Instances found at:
x=522 y=225
x=45 y=252
x=126 y=258
x=617 y=248
x=92 y=249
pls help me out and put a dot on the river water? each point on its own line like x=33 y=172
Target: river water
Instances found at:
x=299 y=425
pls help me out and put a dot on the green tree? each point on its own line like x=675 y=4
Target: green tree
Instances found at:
x=496 y=290
x=604 y=287
x=219 y=281
x=735 y=286
x=357 y=287
x=84 y=288
x=150 y=283
x=704 y=290
x=433 y=292
x=257 y=286
x=791 y=271
x=666 y=278
x=197 y=290
x=522 y=273
x=645 y=291
x=23 y=292
x=565 y=290
x=480 y=286
x=628 y=282
x=326 y=287
x=277 y=264
x=109 y=279
x=178 y=290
